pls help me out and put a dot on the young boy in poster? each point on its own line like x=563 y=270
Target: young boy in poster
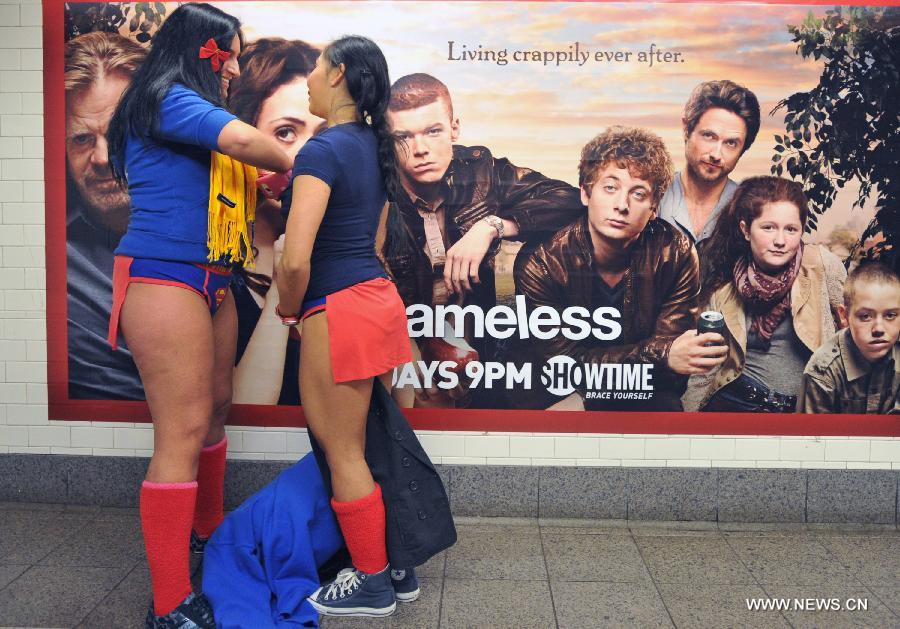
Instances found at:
x=858 y=369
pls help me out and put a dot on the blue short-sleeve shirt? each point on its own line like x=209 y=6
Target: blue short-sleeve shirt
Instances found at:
x=346 y=158
x=168 y=179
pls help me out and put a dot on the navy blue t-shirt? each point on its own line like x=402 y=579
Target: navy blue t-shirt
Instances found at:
x=345 y=157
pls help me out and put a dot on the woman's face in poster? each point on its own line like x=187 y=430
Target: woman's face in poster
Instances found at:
x=285 y=116
x=774 y=236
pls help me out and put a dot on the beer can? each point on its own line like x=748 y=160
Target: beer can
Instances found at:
x=711 y=321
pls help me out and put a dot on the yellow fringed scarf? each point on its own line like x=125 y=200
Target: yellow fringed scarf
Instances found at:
x=232 y=210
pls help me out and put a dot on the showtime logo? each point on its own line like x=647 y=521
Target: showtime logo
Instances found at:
x=562 y=375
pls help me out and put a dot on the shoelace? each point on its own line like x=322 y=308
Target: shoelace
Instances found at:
x=345 y=583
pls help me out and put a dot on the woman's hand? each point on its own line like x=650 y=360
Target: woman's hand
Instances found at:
x=273 y=184
x=693 y=353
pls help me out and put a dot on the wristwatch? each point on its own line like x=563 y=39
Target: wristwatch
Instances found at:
x=496 y=222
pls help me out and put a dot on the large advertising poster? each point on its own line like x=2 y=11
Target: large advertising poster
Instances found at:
x=585 y=186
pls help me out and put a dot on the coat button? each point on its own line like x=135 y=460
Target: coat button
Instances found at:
x=405 y=461
x=398 y=435
x=414 y=485
x=422 y=515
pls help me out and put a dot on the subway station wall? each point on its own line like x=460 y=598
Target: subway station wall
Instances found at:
x=537 y=112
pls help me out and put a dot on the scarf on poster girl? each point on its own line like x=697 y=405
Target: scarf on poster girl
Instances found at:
x=768 y=297
x=232 y=210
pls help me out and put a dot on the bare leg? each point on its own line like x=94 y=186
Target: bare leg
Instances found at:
x=225 y=335
x=170 y=334
x=336 y=413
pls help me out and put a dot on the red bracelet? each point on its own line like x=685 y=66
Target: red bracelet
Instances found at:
x=288 y=320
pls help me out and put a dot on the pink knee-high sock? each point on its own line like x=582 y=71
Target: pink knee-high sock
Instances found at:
x=210 y=489
x=362 y=523
x=167 y=510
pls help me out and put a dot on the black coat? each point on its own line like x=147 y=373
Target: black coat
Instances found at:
x=418 y=520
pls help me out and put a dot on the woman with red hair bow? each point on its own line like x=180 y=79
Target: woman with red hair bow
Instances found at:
x=190 y=166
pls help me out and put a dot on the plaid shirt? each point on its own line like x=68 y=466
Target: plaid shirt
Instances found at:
x=837 y=379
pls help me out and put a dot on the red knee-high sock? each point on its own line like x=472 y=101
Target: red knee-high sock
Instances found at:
x=167 y=510
x=210 y=489
x=362 y=523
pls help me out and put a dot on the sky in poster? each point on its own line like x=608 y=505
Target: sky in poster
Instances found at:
x=540 y=115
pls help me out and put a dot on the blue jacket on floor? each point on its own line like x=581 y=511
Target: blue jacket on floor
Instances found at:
x=262 y=561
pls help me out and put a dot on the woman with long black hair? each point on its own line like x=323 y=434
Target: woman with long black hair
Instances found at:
x=190 y=169
x=354 y=322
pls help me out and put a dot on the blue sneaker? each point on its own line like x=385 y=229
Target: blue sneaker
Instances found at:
x=194 y=612
x=355 y=593
x=406 y=585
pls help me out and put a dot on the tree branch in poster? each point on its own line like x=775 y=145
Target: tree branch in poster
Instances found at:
x=846 y=128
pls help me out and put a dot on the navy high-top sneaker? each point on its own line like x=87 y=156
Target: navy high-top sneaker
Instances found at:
x=355 y=593
x=406 y=585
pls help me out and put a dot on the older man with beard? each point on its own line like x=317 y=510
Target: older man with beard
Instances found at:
x=720 y=122
x=98 y=68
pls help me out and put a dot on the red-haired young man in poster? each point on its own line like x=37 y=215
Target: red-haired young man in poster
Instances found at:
x=458 y=203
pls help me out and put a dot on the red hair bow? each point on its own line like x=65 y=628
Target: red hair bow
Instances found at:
x=210 y=50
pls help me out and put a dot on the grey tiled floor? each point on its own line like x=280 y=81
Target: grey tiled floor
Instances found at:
x=84 y=567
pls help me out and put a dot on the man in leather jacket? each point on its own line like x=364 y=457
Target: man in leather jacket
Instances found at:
x=620 y=257
x=457 y=204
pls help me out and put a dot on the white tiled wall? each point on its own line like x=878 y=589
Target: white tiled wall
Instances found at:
x=24 y=426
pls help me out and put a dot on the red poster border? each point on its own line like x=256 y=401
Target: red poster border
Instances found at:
x=62 y=408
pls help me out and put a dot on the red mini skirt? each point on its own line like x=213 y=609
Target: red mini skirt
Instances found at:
x=366 y=328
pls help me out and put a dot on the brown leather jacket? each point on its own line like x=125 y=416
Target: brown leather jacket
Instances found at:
x=660 y=300
x=476 y=185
